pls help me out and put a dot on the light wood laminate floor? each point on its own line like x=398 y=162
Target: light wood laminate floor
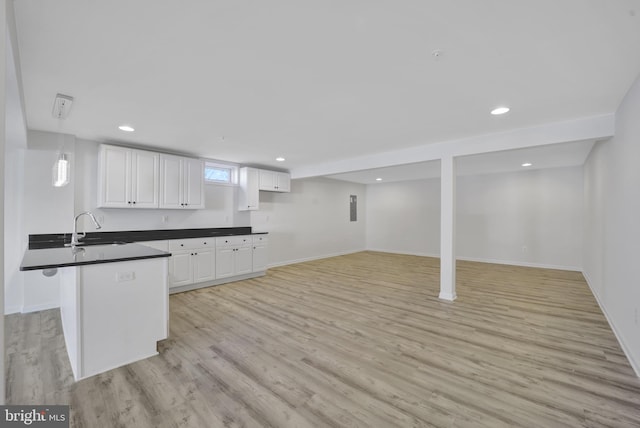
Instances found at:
x=354 y=341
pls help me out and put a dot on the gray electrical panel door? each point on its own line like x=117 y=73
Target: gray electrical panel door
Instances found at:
x=353 y=208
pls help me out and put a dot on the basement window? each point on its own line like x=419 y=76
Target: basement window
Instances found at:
x=216 y=173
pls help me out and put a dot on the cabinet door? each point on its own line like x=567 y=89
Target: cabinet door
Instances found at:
x=180 y=269
x=283 y=182
x=114 y=178
x=204 y=264
x=194 y=183
x=267 y=180
x=248 y=194
x=144 y=183
x=171 y=182
x=224 y=262
x=244 y=260
x=260 y=257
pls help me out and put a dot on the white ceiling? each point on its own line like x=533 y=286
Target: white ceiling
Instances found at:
x=320 y=81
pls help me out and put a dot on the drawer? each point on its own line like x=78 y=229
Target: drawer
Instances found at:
x=191 y=243
x=260 y=239
x=233 y=241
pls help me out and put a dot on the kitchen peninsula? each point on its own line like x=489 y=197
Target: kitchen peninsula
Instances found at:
x=114 y=302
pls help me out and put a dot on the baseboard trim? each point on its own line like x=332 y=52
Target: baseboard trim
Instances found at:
x=213 y=283
x=523 y=264
x=41 y=307
x=635 y=365
x=483 y=260
x=405 y=253
x=12 y=310
x=310 y=259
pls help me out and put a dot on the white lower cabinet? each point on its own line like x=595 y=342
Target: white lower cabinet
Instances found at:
x=204 y=265
x=200 y=262
x=234 y=256
x=192 y=261
x=260 y=253
x=180 y=269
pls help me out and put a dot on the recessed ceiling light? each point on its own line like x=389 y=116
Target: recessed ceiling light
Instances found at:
x=499 y=110
x=378 y=179
x=126 y=128
x=527 y=164
x=280 y=159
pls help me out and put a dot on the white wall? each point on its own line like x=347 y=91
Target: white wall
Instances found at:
x=497 y=215
x=404 y=217
x=612 y=225
x=15 y=146
x=45 y=209
x=312 y=221
x=531 y=218
x=4 y=42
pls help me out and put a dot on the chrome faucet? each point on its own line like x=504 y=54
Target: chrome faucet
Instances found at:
x=76 y=237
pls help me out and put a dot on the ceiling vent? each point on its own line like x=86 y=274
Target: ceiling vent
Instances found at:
x=62 y=106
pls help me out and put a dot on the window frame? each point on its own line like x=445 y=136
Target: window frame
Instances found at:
x=233 y=173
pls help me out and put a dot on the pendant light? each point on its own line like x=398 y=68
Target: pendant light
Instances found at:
x=61 y=171
x=61 y=167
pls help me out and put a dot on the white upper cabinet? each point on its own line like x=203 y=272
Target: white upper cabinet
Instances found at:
x=274 y=181
x=144 y=179
x=127 y=178
x=171 y=182
x=181 y=182
x=248 y=196
x=194 y=183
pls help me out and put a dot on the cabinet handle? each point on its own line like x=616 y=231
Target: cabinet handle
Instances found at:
x=182 y=245
x=134 y=202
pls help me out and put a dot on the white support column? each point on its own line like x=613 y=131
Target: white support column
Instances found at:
x=448 y=228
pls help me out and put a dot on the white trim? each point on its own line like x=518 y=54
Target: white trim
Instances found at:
x=518 y=263
x=309 y=259
x=115 y=366
x=447 y=296
x=582 y=129
x=406 y=253
x=482 y=260
x=40 y=307
x=219 y=281
x=635 y=365
x=233 y=173
x=12 y=310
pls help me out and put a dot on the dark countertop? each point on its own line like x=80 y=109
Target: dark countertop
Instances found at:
x=87 y=255
x=57 y=240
